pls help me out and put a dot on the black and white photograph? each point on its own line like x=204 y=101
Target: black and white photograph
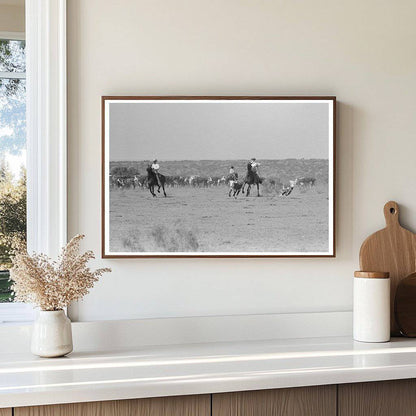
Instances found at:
x=218 y=176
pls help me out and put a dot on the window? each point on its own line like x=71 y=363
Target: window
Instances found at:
x=43 y=93
x=12 y=154
x=12 y=167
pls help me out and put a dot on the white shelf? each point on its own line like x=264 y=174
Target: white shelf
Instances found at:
x=148 y=371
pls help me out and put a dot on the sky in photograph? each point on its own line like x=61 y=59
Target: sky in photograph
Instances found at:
x=212 y=131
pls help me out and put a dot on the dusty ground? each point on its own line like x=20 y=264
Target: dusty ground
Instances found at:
x=193 y=219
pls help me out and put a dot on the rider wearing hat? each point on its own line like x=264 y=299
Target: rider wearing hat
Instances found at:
x=155 y=169
x=254 y=164
x=252 y=167
x=232 y=175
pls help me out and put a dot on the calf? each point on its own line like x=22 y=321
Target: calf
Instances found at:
x=235 y=188
x=287 y=190
x=306 y=182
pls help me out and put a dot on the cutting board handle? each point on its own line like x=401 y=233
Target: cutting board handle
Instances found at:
x=391 y=213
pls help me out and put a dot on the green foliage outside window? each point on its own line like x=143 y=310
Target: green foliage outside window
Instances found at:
x=12 y=145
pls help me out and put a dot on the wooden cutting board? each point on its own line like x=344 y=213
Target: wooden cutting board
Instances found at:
x=392 y=250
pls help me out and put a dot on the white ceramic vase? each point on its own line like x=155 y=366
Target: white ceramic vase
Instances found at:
x=52 y=334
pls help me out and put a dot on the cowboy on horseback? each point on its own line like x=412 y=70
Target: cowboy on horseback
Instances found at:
x=252 y=177
x=154 y=178
x=254 y=166
x=252 y=170
x=155 y=169
x=232 y=175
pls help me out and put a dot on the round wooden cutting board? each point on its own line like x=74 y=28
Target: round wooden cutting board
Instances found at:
x=392 y=250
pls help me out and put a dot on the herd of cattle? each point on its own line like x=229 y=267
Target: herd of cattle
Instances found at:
x=171 y=181
x=195 y=181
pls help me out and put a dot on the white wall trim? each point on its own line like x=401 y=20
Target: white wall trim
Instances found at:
x=46 y=125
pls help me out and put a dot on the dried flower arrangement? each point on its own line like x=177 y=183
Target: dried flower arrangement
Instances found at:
x=52 y=285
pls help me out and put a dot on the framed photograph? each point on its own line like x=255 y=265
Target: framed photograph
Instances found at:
x=218 y=177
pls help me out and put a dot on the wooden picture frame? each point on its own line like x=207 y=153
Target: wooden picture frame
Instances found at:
x=135 y=128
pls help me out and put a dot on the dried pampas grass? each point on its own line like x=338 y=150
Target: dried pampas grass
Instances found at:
x=53 y=285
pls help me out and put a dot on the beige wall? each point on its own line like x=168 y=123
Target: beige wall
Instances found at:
x=12 y=18
x=361 y=51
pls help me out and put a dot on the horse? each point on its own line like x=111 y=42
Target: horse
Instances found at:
x=252 y=178
x=152 y=181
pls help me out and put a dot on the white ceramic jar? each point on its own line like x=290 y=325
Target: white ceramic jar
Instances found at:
x=52 y=334
x=371 y=309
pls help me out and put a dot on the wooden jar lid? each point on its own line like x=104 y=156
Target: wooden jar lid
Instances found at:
x=372 y=275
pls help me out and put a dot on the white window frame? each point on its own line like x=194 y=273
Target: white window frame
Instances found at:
x=14 y=312
x=12 y=35
x=46 y=123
